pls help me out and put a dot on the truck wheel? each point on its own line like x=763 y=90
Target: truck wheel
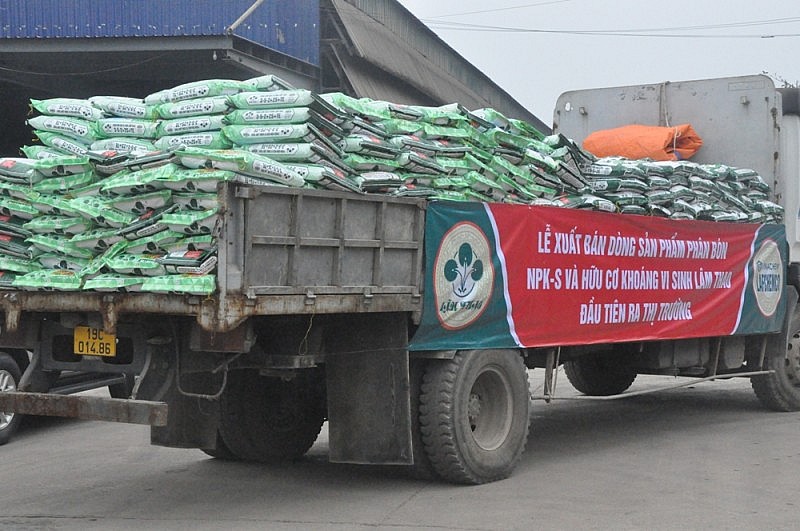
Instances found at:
x=474 y=415
x=780 y=391
x=270 y=419
x=600 y=375
x=9 y=378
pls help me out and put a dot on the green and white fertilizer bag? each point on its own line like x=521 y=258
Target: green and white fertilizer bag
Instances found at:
x=189 y=243
x=14 y=226
x=276 y=99
x=124 y=107
x=61 y=166
x=96 y=240
x=62 y=143
x=14 y=207
x=157 y=243
x=206 y=139
x=195 y=180
x=53 y=243
x=40 y=152
x=123 y=145
x=61 y=225
x=7 y=279
x=269 y=170
x=283 y=152
x=194 y=107
x=101 y=213
x=196 y=200
x=138 y=182
x=140 y=265
x=17 y=247
x=296 y=115
x=126 y=127
x=60 y=261
x=260 y=134
x=193 y=124
x=243 y=162
x=62 y=185
x=197 y=89
x=18 y=265
x=181 y=284
x=147 y=224
x=75 y=108
x=114 y=282
x=190 y=262
x=49 y=280
x=19 y=170
x=98 y=264
x=54 y=205
x=267 y=82
x=192 y=222
x=140 y=203
x=75 y=128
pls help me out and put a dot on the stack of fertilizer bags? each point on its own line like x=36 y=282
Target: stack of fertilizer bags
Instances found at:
x=122 y=193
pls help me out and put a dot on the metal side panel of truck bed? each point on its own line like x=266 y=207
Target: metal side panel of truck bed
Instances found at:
x=281 y=251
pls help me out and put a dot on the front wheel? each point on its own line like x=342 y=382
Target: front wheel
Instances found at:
x=9 y=379
x=474 y=415
x=780 y=390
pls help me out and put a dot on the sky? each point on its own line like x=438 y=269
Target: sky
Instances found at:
x=538 y=49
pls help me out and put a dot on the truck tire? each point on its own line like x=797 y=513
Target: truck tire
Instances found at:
x=474 y=415
x=600 y=375
x=9 y=379
x=780 y=391
x=270 y=419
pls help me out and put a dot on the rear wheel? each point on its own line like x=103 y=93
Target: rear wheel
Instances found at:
x=474 y=415
x=780 y=390
x=271 y=419
x=600 y=375
x=9 y=379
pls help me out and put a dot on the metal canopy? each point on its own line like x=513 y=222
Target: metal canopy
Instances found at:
x=400 y=68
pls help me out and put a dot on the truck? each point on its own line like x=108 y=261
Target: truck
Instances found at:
x=410 y=326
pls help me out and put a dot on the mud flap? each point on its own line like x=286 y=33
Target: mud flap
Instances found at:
x=369 y=409
x=192 y=421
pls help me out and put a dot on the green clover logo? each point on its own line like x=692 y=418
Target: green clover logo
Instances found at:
x=463 y=270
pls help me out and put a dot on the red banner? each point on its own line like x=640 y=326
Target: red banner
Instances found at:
x=579 y=277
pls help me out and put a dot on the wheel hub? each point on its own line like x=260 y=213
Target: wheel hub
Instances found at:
x=7 y=384
x=490 y=409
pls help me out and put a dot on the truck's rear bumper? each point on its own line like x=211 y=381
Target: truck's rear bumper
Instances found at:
x=85 y=407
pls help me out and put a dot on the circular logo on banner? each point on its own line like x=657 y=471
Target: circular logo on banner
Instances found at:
x=463 y=276
x=768 y=277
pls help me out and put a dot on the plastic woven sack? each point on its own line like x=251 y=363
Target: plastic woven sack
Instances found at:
x=187 y=284
x=645 y=142
x=197 y=89
x=82 y=130
x=124 y=107
x=68 y=107
x=49 y=280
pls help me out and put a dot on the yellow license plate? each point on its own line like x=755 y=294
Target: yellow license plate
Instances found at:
x=94 y=342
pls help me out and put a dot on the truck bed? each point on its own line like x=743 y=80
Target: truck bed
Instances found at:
x=281 y=251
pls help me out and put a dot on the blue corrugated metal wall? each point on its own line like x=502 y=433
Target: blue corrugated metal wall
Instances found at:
x=287 y=26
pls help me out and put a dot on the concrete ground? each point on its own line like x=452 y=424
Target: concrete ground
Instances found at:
x=702 y=457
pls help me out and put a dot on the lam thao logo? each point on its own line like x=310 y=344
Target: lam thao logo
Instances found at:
x=463 y=276
x=768 y=277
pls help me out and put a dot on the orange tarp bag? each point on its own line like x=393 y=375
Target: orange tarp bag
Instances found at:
x=645 y=142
